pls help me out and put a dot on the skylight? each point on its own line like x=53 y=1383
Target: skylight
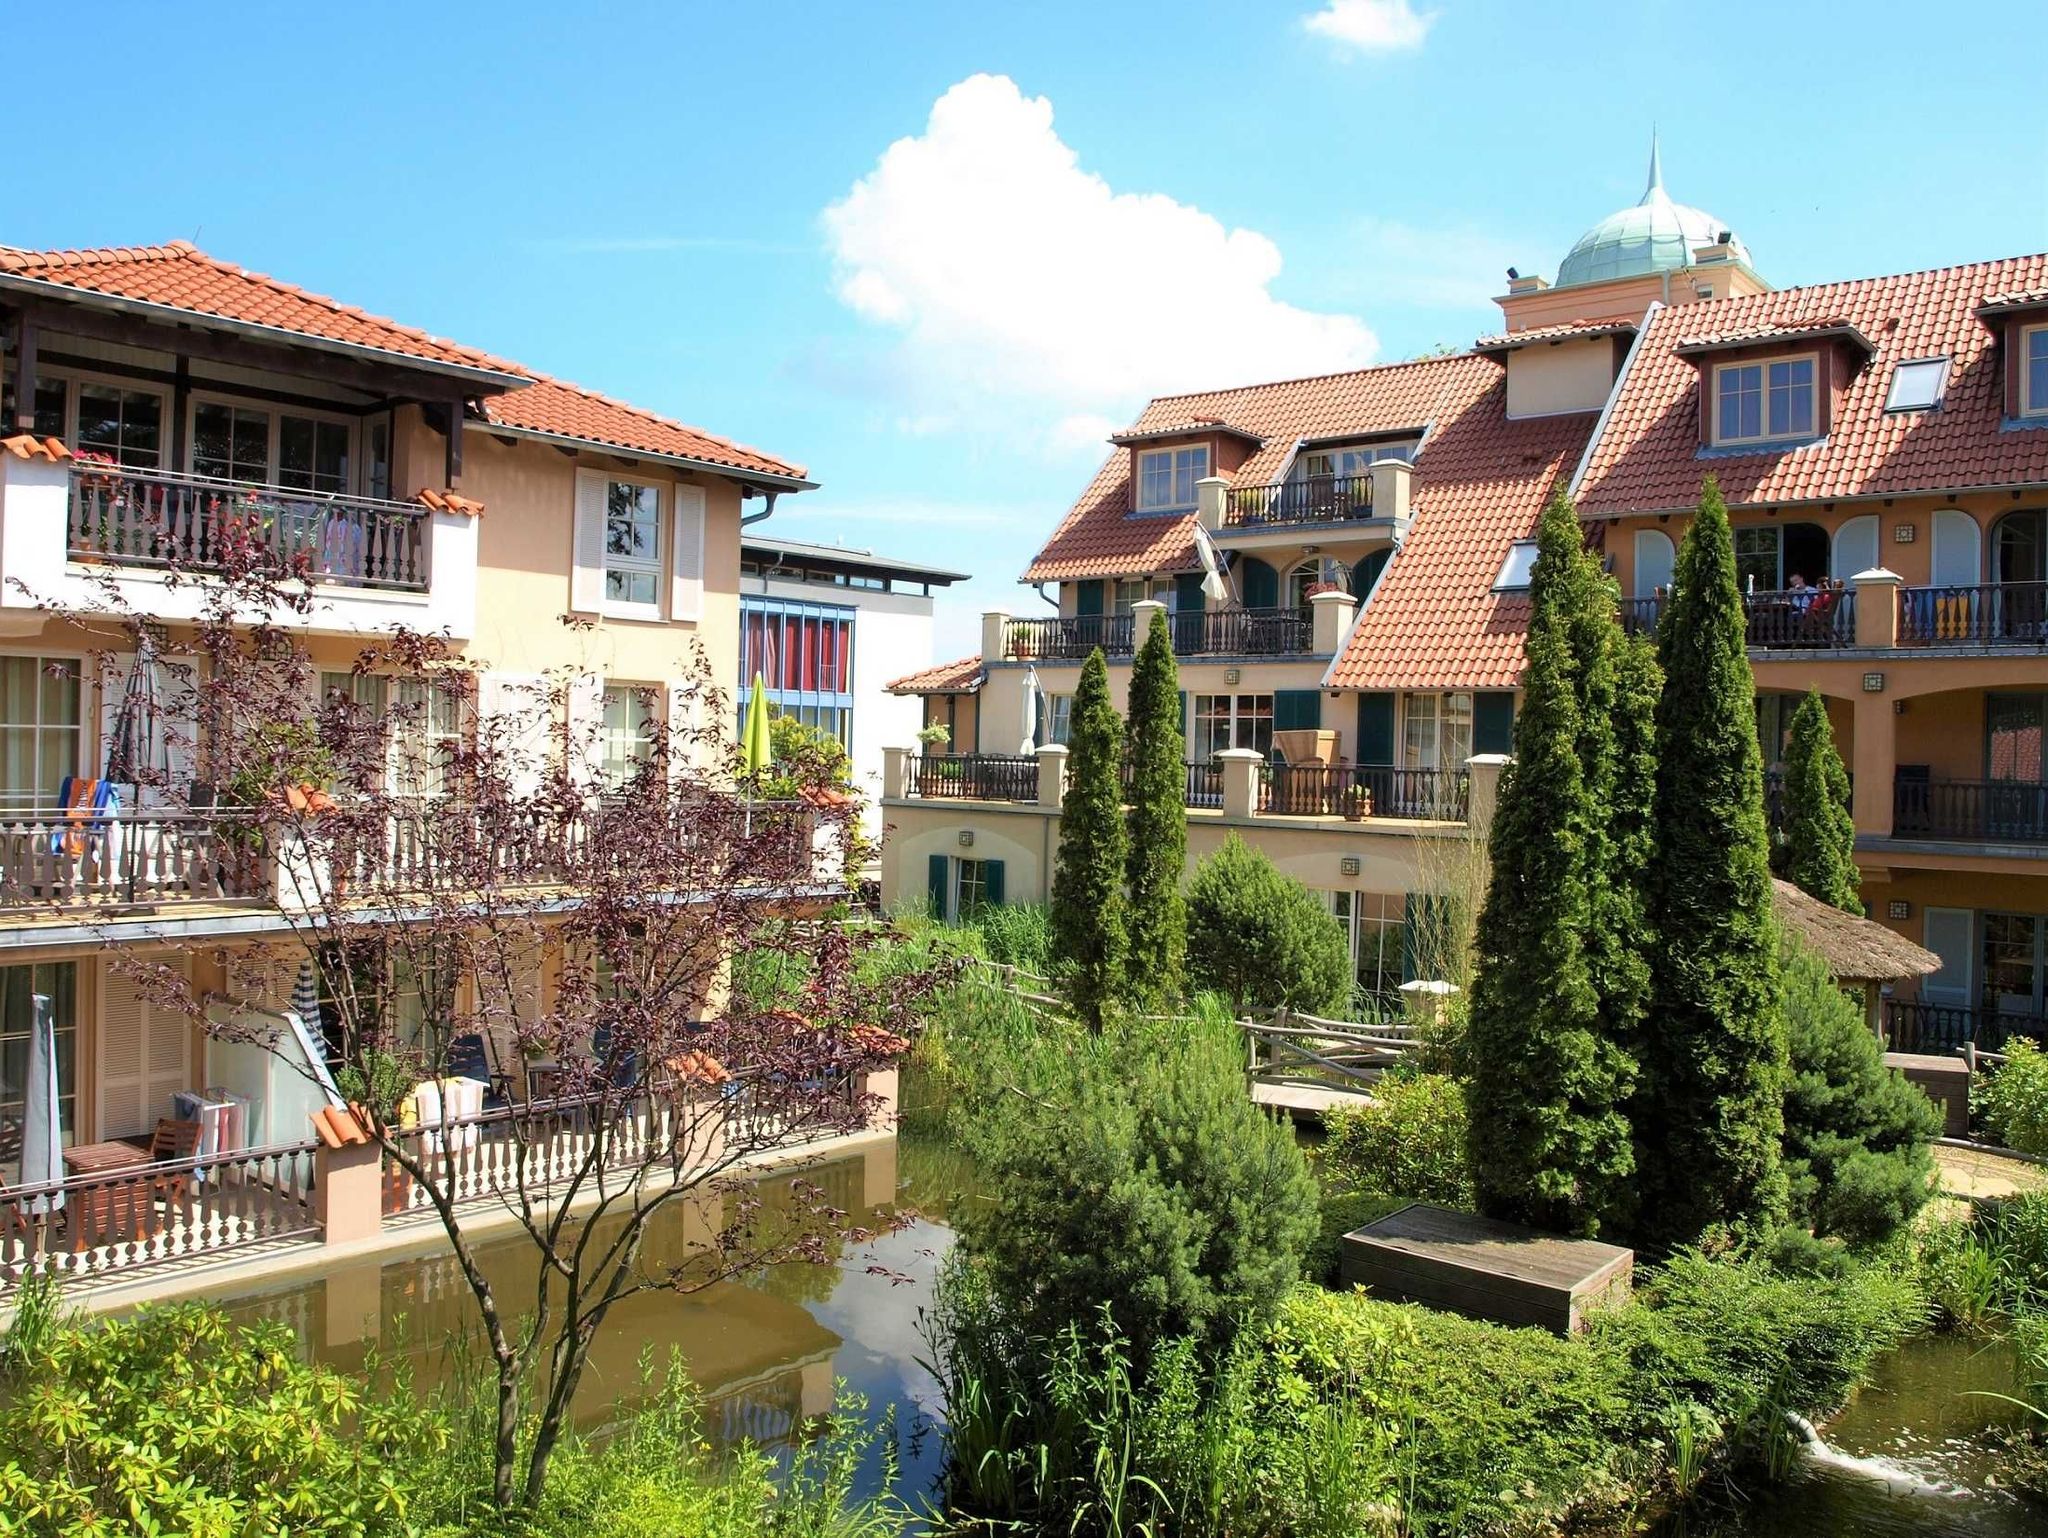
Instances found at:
x=1515 y=570
x=1916 y=386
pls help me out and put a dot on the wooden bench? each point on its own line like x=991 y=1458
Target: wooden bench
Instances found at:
x=1486 y=1269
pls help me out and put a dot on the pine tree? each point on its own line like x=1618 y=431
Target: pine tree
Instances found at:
x=1708 y=1114
x=1089 y=937
x=1158 y=819
x=1820 y=835
x=1548 y=1144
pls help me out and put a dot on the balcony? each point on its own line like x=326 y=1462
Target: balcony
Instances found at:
x=1969 y=811
x=2008 y=614
x=1913 y=1026
x=58 y=862
x=1365 y=790
x=976 y=777
x=152 y=518
x=1317 y=499
x=1202 y=633
x=1803 y=619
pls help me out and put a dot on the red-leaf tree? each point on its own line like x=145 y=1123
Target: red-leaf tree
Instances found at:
x=433 y=838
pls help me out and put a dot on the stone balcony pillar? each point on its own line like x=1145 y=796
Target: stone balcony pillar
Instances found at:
x=1485 y=770
x=995 y=634
x=1211 y=496
x=1141 y=620
x=1877 y=607
x=1391 y=483
x=896 y=771
x=1239 y=769
x=1332 y=622
x=1052 y=775
x=348 y=1190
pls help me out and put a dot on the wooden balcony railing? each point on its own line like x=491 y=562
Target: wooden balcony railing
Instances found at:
x=1364 y=790
x=976 y=777
x=155 y=518
x=1969 y=811
x=1913 y=1026
x=1311 y=500
x=60 y=860
x=1792 y=620
x=1984 y=614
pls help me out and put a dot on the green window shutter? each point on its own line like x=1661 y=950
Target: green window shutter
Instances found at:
x=1187 y=593
x=935 y=880
x=1493 y=722
x=1259 y=583
x=1367 y=572
x=1088 y=597
x=992 y=881
x=1297 y=709
x=1186 y=726
x=1376 y=728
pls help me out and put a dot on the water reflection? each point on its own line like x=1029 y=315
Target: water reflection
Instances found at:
x=765 y=1350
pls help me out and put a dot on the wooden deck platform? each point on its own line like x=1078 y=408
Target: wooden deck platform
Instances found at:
x=1485 y=1269
x=1305 y=1102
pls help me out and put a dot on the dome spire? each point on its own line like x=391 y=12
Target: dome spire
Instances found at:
x=1656 y=182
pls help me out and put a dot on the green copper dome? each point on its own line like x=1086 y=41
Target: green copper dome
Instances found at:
x=1656 y=235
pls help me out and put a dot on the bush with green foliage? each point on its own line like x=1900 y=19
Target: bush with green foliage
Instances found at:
x=2012 y=1106
x=1158 y=852
x=1016 y=934
x=1139 y=1178
x=1407 y=1141
x=1820 y=833
x=1858 y=1160
x=1548 y=1142
x=1263 y=939
x=1090 y=937
x=1708 y=1112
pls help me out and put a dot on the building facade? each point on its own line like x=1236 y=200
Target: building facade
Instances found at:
x=151 y=393
x=1882 y=444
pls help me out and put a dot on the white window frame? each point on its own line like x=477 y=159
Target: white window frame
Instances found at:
x=1763 y=367
x=2032 y=337
x=627 y=747
x=1059 y=718
x=1438 y=730
x=71 y=380
x=1899 y=375
x=655 y=565
x=1380 y=915
x=1241 y=721
x=1198 y=468
x=960 y=885
x=401 y=705
x=39 y=729
x=275 y=412
x=1504 y=581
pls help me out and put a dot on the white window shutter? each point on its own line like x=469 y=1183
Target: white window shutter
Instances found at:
x=515 y=708
x=586 y=577
x=178 y=689
x=145 y=1054
x=585 y=726
x=686 y=594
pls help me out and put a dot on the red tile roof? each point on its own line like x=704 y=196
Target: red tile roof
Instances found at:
x=1099 y=537
x=1434 y=621
x=181 y=276
x=961 y=677
x=186 y=278
x=1188 y=429
x=1648 y=458
x=1508 y=341
x=570 y=411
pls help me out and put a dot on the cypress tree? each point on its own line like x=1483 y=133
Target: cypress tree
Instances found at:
x=1621 y=965
x=1820 y=835
x=1709 y=1112
x=1158 y=819
x=1088 y=884
x=1547 y=1142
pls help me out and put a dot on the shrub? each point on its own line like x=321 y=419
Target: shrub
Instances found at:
x=1158 y=852
x=1261 y=938
x=1140 y=1181
x=1339 y=1214
x=2013 y=1105
x=1857 y=1134
x=1407 y=1141
x=1820 y=834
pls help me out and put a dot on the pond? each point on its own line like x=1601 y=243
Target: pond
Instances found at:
x=768 y=1350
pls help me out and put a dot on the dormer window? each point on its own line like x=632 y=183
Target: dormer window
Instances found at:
x=2034 y=371
x=1166 y=477
x=1764 y=402
x=1917 y=385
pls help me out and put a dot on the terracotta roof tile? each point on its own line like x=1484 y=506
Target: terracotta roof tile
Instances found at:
x=1508 y=341
x=1648 y=458
x=570 y=411
x=961 y=677
x=1435 y=622
x=1185 y=429
x=28 y=446
x=1099 y=537
x=447 y=501
x=186 y=278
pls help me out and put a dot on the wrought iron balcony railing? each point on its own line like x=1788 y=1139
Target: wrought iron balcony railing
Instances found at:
x=1310 y=500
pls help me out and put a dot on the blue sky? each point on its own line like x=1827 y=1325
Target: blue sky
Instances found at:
x=935 y=251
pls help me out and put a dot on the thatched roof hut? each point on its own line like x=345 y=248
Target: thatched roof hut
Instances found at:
x=1860 y=953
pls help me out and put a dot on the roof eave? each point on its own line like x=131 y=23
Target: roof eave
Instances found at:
x=497 y=379
x=1990 y=488
x=1847 y=331
x=778 y=481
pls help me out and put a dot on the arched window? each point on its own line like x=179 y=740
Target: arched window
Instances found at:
x=2020 y=547
x=1855 y=547
x=1314 y=570
x=1956 y=539
x=1655 y=558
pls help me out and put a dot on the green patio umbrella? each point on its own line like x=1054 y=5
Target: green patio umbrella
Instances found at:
x=754 y=744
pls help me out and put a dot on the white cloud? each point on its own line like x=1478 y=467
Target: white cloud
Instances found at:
x=1371 y=26
x=1013 y=275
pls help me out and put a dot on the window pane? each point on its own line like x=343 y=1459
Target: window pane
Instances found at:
x=330 y=456
x=295 y=452
x=141 y=429
x=2037 y=370
x=50 y=401
x=251 y=445
x=99 y=419
x=210 y=439
x=1791 y=403
x=1741 y=402
x=1916 y=386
